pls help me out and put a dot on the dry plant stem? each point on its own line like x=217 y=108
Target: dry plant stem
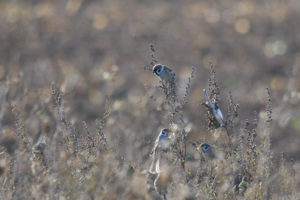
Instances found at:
x=59 y=102
x=153 y=58
x=183 y=164
x=90 y=141
x=213 y=87
x=188 y=88
x=4 y=101
x=20 y=128
x=229 y=138
x=181 y=111
x=54 y=145
x=184 y=101
x=232 y=110
x=101 y=124
x=267 y=141
x=182 y=153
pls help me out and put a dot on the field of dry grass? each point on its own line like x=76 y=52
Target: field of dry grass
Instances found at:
x=81 y=109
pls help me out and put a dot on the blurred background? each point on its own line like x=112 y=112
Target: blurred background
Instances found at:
x=96 y=49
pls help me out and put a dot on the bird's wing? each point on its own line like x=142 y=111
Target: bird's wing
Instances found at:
x=219 y=116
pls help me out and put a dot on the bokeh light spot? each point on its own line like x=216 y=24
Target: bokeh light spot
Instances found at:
x=277 y=83
x=99 y=21
x=212 y=15
x=242 y=26
x=245 y=8
x=275 y=48
x=296 y=123
x=73 y=6
x=95 y=96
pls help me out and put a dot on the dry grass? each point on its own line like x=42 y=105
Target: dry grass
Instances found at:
x=79 y=116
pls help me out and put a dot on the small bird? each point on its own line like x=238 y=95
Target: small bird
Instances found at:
x=159 y=166
x=162 y=143
x=39 y=148
x=39 y=163
x=205 y=148
x=215 y=110
x=164 y=73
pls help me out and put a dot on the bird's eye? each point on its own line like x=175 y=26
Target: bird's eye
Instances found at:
x=164 y=134
x=159 y=70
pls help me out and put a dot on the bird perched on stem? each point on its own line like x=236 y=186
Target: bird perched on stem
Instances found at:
x=215 y=114
x=205 y=148
x=158 y=166
x=164 y=73
x=161 y=144
x=168 y=81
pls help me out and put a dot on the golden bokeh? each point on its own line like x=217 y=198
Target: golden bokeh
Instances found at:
x=277 y=83
x=46 y=9
x=95 y=96
x=100 y=21
x=242 y=26
x=73 y=6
